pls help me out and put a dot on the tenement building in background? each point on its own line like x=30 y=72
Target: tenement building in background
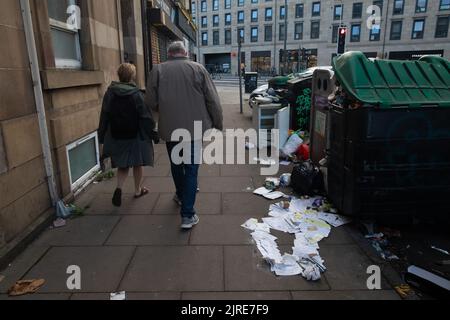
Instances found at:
x=397 y=29
x=79 y=45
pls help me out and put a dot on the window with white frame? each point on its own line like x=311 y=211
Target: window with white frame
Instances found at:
x=65 y=36
x=83 y=160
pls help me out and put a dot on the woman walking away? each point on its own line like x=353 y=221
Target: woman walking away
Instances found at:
x=126 y=131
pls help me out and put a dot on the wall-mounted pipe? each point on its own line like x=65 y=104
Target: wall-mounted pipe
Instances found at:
x=39 y=98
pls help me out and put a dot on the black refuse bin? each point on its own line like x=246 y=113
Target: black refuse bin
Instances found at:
x=251 y=81
x=389 y=137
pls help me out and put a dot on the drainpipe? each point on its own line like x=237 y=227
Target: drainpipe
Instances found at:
x=39 y=98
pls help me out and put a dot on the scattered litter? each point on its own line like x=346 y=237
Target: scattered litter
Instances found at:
x=285 y=163
x=2 y=278
x=299 y=216
x=379 y=245
x=429 y=276
x=440 y=250
x=265 y=162
x=292 y=145
x=334 y=220
x=288 y=267
x=274 y=195
x=59 y=223
x=285 y=180
x=118 y=296
x=404 y=290
x=272 y=183
x=63 y=211
x=24 y=287
x=254 y=225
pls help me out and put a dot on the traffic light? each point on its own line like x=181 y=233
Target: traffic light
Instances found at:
x=342 y=34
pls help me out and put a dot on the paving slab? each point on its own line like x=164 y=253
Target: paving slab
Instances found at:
x=162 y=170
x=347 y=267
x=206 y=204
x=149 y=230
x=346 y=295
x=249 y=296
x=225 y=184
x=252 y=273
x=175 y=269
x=101 y=268
x=247 y=204
x=129 y=296
x=82 y=231
x=102 y=204
x=21 y=265
x=37 y=297
x=221 y=230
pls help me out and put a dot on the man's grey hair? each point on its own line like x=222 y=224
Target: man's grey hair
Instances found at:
x=176 y=47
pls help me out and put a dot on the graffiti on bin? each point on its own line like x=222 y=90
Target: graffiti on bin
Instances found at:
x=303 y=109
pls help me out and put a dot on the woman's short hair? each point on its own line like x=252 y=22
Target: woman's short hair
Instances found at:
x=126 y=72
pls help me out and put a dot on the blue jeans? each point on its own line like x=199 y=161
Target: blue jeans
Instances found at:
x=185 y=177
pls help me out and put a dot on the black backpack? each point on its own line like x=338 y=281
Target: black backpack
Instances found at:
x=307 y=179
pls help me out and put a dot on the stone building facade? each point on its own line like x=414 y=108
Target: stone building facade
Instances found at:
x=78 y=53
x=313 y=25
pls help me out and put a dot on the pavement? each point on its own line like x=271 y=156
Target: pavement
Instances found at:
x=140 y=249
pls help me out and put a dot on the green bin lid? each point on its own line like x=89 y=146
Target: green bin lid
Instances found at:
x=280 y=80
x=395 y=83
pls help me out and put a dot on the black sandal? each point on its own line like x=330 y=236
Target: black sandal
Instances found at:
x=144 y=192
x=117 y=198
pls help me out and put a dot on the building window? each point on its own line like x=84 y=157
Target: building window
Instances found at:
x=442 y=27
x=418 y=28
x=298 y=34
x=254 y=1
x=227 y=19
x=227 y=36
x=337 y=12
x=204 y=5
x=254 y=34
x=398 y=7
x=193 y=7
x=241 y=3
x=194 y=20
x=421 y=6
x=355 y=34
x=227 y=4
x=204 y=38
x=65 y=38
x=375 y=33
x=83 y=159
x=378 y=3
x=215 y=5
x=255 y=15
x=268 y=16
x=240 y=16
x=334 y=33
x=281 y=33
x=315 y=29
x=299 y=10
x=241 y=34
x=396 y=30
x=215 y=20
x=444 y=5
x=204 y=22
x=357 y=10
x=282 y=12
x=215 y=37
x=268 y=33
x=316 y=9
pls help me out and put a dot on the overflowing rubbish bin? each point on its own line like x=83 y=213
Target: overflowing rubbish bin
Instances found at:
x=280 y=82
x=251 y=81
x=389 y=141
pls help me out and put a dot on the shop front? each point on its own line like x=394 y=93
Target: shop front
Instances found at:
x=261 y=62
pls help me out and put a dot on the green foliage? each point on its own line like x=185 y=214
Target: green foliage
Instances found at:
x=303 y=109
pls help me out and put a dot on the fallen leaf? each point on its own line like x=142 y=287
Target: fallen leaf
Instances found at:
x=23 y=287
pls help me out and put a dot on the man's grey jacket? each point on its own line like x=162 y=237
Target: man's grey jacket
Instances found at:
x=183 y=92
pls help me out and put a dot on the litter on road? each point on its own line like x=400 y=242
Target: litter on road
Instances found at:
x=117 y=296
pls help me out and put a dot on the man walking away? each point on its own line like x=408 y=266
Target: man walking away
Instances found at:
x=183 y=93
